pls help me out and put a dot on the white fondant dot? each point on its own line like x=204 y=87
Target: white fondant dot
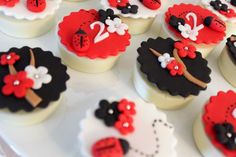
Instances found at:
x=128 y=107
x=8 y=57
x=126 y=125
x=229 y=135
x=16 y=82
x=110 y=111
x=176 y=67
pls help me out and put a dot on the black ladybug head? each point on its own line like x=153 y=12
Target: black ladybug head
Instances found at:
x=175 y=21
x=233 y=2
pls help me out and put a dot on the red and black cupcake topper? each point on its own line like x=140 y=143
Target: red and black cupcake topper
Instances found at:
x=219 y=120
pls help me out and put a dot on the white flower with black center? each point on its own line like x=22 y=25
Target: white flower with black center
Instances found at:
x=117 y=26
x=39 y=75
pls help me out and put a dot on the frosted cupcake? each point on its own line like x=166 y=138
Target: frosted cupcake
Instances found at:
x=27 y=18
x=116 y=129
x=32 y=85
x=214 y=129
x=138 y=15
x=94 y=41
x=196 y=24
x=225 y=10
x=170 y=73
x=227 y=61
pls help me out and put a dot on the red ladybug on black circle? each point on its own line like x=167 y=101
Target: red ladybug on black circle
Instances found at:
x=151 y=4
x=36 y=5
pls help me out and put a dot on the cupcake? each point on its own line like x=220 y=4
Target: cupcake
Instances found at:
x=214 y=129
x=170 y=73
x=27 y=18
x=225 y=10
x=227 y=61
x=33 y=83
x=116 y=129
x=196 y=24
x=138 y=15
x=94 y=41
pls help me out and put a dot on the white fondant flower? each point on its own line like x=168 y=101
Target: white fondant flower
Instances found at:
x=117 y=26
x=187 y=32
x=39 y=75
x=234 y=113
x=165 y=59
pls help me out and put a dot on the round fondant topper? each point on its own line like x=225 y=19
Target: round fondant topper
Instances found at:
x=31 y=78
x=97 y=34
x=187 y=21
x=184 y=70
x=220 y=123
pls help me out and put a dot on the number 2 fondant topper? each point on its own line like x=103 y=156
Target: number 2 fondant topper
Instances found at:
x=32 y=5
x=194 y=23
x=81 y=40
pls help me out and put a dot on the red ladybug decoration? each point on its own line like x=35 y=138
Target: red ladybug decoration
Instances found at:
x=110 y=147
x=215 y=24
x=36 y=5
x=152 y=4
x=81 y=41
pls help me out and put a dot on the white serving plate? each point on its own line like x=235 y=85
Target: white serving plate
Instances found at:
x=58 y=135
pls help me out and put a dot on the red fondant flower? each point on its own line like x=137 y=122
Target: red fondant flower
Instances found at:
x=116 y=3
x=127 y=107
x=124 y=124
x=8 y=3
x=9 y=59
x=185 y=49
x=230 y=13
x=17 y=84
x=175 y=68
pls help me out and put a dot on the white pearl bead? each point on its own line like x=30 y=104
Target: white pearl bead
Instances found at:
x=128 y=107
x=36 y=76
x=16 y=82
x=176 y=67
x=186 y=48
x=126 y=125
x=229 y=135
x=8 y=57
x=110 y=111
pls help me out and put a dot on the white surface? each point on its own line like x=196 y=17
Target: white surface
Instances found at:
x=57 y=136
